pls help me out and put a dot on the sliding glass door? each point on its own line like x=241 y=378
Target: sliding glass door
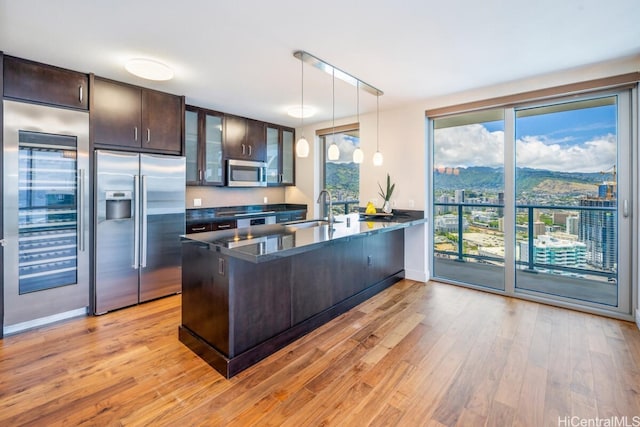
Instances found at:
x=534 y=200
x=571 y=175
x=468 y=199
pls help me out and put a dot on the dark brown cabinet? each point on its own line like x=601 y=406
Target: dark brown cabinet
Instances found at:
x=203 y=146
x=35 y=82
x=280 y=156
x=236 y=312
x=221 y=294
x=244 y=138
x=129 y=116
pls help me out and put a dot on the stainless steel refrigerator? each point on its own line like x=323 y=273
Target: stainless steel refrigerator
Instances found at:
x=140 y=215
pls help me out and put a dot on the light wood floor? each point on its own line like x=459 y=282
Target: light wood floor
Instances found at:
x=417 y=354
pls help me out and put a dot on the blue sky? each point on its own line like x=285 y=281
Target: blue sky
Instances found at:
x=582 y=140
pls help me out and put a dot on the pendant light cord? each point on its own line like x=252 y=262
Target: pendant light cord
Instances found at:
x=358 y=102
x=333 y=94
x=302 y=98
x=377 y=123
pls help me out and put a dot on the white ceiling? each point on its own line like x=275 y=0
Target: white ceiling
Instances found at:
x=237 y=56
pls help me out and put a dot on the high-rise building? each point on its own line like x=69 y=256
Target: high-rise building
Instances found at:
x=443 y=209
x=551 y=251
x=598 y=230
x=573 y=225
x=459 y=196
x=539 y=228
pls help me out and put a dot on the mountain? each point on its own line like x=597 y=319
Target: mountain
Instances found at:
x=480 y=178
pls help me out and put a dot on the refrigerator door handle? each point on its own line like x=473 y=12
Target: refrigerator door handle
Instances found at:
x=136 y=221
x=143 y=215
x=80 y=211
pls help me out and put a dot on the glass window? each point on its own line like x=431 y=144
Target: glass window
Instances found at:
x=342 y=177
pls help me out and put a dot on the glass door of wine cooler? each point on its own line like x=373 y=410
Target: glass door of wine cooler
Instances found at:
x=45 y=214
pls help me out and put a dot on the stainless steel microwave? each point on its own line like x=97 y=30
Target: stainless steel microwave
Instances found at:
x=246 y=173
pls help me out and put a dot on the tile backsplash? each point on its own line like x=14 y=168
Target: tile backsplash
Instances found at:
x=211 y=197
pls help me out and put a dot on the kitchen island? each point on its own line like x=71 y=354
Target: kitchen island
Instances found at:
x=249 y=292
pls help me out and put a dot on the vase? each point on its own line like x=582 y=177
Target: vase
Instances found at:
x=386 y=208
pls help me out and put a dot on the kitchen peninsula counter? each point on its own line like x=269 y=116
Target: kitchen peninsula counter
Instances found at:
x=268 y=242
x=249 y=292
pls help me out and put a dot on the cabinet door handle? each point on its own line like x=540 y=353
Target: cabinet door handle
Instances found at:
x=80 y=93
x=221 y=266
x=148 y=135
x=249 y=149
x=200 y=174
x=135 y=133
x=223 y=226
x=199 y=228
x=243 y=149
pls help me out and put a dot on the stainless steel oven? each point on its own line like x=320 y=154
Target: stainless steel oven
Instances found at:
x=246 y=173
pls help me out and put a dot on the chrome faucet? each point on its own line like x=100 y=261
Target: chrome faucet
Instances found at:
x=330 y=213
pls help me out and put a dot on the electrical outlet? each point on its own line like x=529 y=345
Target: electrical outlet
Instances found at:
x=197 y=202
x=265 y=200
x=412 y=203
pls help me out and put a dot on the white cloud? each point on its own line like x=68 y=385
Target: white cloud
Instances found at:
x=346 y=147
x=471 y=145
x=474 y=145
x=592 y=156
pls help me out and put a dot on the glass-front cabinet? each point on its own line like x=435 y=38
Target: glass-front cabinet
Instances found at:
x=280 y=156
x=203 y=146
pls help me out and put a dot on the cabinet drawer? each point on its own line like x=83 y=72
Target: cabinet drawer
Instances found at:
x=283 y=217
x=298 y=216
x=224 y=225
x=32 y=81
x=199 y=228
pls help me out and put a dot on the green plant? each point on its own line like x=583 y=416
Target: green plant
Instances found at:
x=387 y=195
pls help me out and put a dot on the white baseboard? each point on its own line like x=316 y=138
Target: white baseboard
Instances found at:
x=417 y=275
x=638 y=317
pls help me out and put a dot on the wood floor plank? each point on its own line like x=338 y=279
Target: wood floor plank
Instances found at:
x=417 y=354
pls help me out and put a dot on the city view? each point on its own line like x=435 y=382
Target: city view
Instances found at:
x=565 y=226
x=562 y=236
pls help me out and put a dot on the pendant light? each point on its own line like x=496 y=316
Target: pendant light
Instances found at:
x=333 y=152
x=358 y=155
x=302 y=146
x=377 y=157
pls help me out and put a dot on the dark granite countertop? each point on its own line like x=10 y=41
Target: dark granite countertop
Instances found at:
x=267 y=242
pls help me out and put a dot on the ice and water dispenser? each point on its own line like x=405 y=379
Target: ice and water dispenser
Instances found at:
x=118 y=204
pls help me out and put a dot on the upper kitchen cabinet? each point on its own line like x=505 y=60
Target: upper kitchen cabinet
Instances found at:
x=45 y=84
x=280 y=156
x=244 y=138
x=129 y=116
x=203 y=146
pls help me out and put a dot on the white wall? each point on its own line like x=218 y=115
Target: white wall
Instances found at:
x=403 y=144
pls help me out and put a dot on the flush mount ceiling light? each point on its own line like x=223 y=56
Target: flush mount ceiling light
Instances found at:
x=301 y=112
x=149 y=69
